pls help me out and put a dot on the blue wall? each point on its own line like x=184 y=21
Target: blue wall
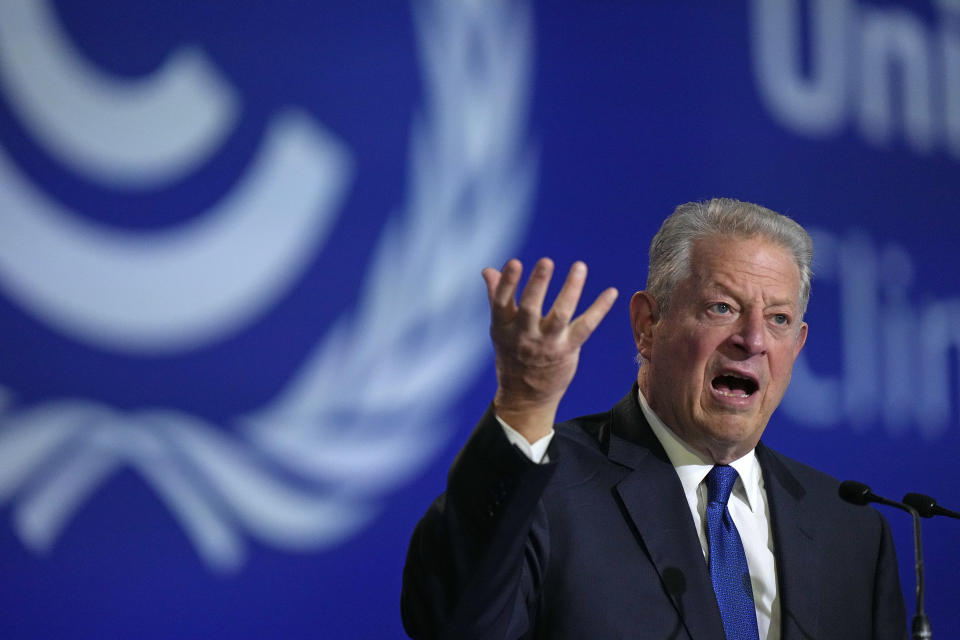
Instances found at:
x=244 y=329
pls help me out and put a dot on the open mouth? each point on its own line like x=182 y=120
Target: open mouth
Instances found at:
x=735 y=386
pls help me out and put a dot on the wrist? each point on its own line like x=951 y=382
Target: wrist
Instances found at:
x=532 y=420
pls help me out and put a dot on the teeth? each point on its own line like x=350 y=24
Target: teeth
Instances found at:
x=730 y=394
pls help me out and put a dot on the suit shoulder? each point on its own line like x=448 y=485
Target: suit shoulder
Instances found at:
x=813 y=487
x=590 y=431
x=580 y=449
x=808 y=476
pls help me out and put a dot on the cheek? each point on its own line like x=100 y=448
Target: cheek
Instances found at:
x=686 y=355
x=781 y=367
x=695 y=344
x=699 y=353
x=780 y=374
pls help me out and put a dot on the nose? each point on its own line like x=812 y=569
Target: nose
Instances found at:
x=751 y=336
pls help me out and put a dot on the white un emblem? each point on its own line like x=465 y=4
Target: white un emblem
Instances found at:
x=364 y=410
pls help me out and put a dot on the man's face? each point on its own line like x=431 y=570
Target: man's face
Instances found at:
x=718 y=362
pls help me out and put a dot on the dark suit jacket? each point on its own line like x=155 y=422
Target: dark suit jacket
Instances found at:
x=599 y=543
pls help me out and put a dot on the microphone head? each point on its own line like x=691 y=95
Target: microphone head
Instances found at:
x=925 y=505
x=855 y=492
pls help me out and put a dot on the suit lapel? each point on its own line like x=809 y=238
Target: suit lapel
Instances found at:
x=795 y=543
x=654 y=503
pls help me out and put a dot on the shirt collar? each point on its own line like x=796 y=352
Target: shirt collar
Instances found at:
x=692 y=467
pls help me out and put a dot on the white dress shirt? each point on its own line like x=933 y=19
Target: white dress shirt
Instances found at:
x=748 y=508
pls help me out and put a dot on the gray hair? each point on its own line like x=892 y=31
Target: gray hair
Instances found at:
x=670 y=248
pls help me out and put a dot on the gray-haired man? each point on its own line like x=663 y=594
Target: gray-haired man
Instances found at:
x=665 y=517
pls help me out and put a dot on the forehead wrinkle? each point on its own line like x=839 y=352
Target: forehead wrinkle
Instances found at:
x=725 y=276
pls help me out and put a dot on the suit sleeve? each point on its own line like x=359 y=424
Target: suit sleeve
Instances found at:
x=476 y=558
x=889 y=611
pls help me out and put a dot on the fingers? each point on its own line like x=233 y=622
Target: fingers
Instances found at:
x=583 y=326
x=492 y=277
x=501 y=289
x=566 y=303
x=531 y=300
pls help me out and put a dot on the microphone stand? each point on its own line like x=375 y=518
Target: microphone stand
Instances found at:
x=920 y=628
x=860 y=494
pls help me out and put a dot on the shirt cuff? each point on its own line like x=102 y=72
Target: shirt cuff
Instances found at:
x=537 y=451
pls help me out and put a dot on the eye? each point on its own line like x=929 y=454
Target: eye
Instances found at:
x=720 y=307
x=781 y=318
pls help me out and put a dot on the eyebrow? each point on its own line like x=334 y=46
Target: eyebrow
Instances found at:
x=717 y=286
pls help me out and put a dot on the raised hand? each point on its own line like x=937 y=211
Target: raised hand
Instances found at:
x=536 y=355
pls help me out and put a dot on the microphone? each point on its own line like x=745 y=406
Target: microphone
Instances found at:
x=927 y=506
x=860 y=494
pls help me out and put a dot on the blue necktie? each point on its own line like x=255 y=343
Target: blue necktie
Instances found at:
x=728 y=564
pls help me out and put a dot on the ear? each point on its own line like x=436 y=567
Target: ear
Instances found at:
x=801 y=339
x=644 y=315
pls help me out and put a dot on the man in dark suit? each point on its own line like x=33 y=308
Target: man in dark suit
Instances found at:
x=665 y=517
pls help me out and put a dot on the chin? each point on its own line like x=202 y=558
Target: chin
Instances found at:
x=733 y=432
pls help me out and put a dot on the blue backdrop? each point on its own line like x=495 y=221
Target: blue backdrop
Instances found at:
x=244 y=329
